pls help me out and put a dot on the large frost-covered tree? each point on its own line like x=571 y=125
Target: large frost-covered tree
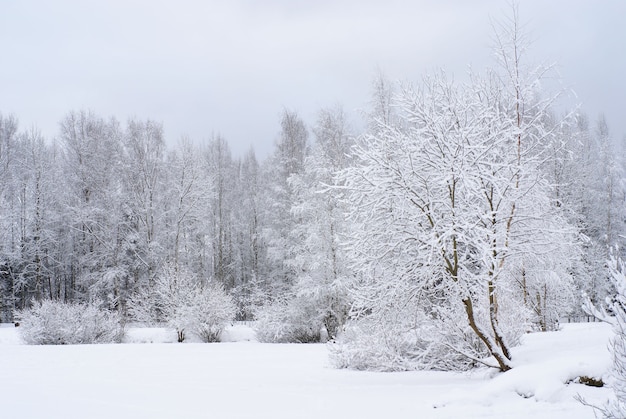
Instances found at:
x=31 y=253
x=288 y=160
x=143 y=179
x=185 y=209
x=222 y=180
x=90 y=150
x=587 y=172
x=318 y=258
x=453 y=214
x=251 y=277
x=8 y=200
x=37 y=218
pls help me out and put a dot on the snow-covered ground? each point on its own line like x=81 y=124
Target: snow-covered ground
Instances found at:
x=246 y=379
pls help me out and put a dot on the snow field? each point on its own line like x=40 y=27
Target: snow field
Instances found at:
x=247 y=379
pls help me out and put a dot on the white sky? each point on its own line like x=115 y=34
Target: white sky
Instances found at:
x=230 y=67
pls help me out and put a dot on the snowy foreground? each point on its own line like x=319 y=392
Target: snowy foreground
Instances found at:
x=246 y=379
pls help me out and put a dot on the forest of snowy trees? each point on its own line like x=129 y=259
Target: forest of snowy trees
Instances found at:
x=466 y=214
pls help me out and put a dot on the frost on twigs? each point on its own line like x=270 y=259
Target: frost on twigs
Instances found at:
x=56 y=323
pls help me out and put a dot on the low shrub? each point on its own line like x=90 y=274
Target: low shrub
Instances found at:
x=55 y=323
x=179 y=300
x=214 y=310
x=288 y=322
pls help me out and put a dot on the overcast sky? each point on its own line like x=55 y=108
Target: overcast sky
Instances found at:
x=230 y=67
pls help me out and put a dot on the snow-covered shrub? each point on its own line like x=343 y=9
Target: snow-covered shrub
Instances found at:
x=369 y=345
x=213 y=310
x=180 y=301
x=292 y=321
x=143 y=309
x=403 y=326
x=55 y=323
x=544 y=286
x=401 y=339
x=249 y=298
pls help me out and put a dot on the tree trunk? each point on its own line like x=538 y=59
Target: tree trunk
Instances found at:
x=493 y=319
x=497 y=352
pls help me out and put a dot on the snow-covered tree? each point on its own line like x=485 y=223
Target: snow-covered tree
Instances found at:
x=36 y=175
x=448 y=201
x=90 y=147
x=143 y=182
x=221 y=177
x=586 y=171
x=8 y=200
x=288 y=160
x=250 y=247
x=188 y=192
x=318 y=258
x=35 y=246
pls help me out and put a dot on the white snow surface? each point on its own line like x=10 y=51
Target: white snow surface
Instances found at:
x=246 y=379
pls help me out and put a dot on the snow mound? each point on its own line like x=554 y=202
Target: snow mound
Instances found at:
x=547 y=367
x=547 y=363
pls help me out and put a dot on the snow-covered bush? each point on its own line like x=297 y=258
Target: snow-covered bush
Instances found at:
x=370 y=345
x=184 y=304
x=403 y=338
x=143 y=309
x=55 y=323
x=249 y=298
x=397 y=326
x=213 y=310
x=295 y=321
